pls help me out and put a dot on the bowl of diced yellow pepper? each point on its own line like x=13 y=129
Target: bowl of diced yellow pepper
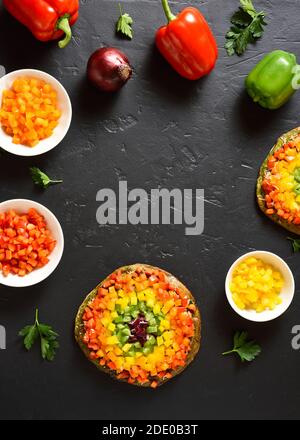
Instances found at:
x=35 y=112
x=260 y=286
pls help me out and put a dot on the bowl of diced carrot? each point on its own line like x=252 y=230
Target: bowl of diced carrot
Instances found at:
x=31 y=243
x=35 y=112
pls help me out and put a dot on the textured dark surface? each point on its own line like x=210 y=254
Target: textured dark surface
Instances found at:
x=160 y=130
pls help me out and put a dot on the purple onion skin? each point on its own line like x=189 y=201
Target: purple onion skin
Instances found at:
x=108 y=69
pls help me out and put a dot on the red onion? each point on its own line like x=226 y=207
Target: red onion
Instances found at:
x=108 y=69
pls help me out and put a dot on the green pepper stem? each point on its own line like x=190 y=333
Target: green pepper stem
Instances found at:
x=64 y=25
x=168 y=11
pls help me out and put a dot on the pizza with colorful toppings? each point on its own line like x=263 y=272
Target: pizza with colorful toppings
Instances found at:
x=141 y=325
x=278 y=185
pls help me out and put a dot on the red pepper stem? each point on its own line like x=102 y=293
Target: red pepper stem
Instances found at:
x=64 y=25
x=168 y=11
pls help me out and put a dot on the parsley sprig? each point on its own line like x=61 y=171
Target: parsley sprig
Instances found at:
x=247 y=26
x=124 y=24
x=48 y=338
x=247 y=350
x=295 y=244
x=41 y=179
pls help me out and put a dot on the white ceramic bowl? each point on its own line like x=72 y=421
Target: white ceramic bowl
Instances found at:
x=287 y=293
x=60 y=131
x=38 y=275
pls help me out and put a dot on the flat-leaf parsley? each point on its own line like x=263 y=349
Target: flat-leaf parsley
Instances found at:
x=41 y=179
x=247 y=26
x=124 y=24
x=47 y=335
x=247 y=350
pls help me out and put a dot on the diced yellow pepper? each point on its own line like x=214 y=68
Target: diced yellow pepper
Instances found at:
x=111 y=305
x=167 y=306
x=149 y=293
x=159 y=340
x=124 y=303
x=129 y=361
x=112 y=340
x=105 y=321
x=156 y=309
x=150 y=302
x=141 y=296
x=118 y=351
x=126 y=347
x=165 y=324
x=121 y=293
x=256 y=285
x=111 y=327
x=112 y=291
x=133 y=300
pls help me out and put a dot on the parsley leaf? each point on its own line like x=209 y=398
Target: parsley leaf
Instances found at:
x=48 y=337
x=247 y=350
x=30 y=333
x=247 y=5
x=295 y=244
x=41 y=179
x=247 y=26
x=124 y=24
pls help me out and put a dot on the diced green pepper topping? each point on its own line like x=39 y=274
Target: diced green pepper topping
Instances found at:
x=297 y=189
x=152 y=329
x=297 y=174
x=149 y=316
x=127 y=318
x=118 y=309
x=150 y=341
x=146 y=350
x=142 y=306
x=126 y=331
x=152 y=321
x=134 y=311
x=123 y=339
x=118 y=320
x=131 y=352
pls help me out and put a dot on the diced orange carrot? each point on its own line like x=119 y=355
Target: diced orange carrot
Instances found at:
x=29 y=111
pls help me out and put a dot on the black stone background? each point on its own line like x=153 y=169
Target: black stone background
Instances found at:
x=161 y=130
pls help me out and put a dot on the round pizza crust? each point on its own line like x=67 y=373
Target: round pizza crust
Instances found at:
x=80 y=330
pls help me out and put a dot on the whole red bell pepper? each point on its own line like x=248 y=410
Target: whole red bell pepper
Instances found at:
x=46 y=19
x=187 y=42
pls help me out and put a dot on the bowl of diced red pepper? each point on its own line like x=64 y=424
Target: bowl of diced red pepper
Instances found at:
x=31 y=243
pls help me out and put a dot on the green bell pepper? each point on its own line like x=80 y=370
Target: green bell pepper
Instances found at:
x=272 y=81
